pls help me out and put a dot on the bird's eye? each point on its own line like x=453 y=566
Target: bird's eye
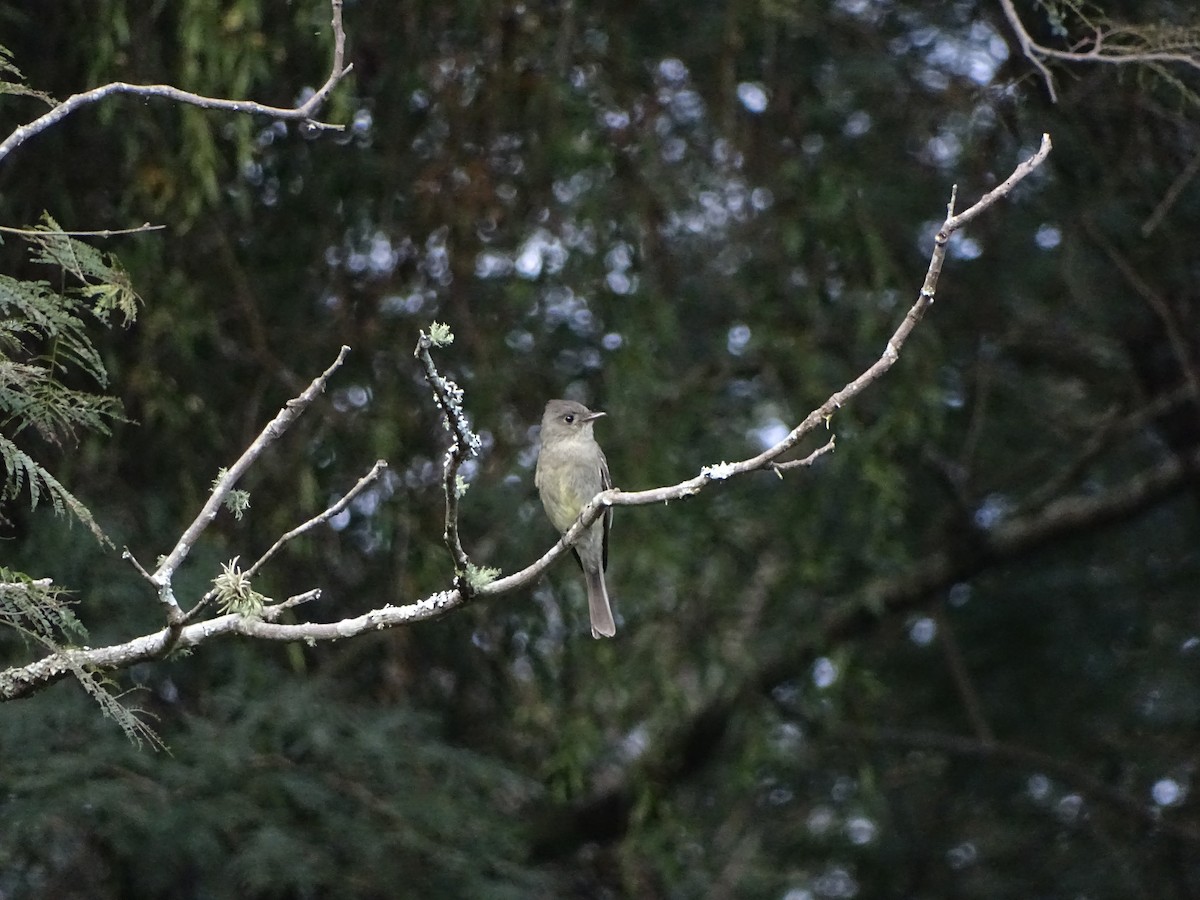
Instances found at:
x=569 y=418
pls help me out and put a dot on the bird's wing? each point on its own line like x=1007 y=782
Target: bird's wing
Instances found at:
x=606 y=483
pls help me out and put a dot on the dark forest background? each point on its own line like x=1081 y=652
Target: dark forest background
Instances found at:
x=959 y=657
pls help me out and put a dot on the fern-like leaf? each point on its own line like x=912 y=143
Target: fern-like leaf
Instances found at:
x=17 y=83
x=40 y=611
x=106 y=284
x=36 y=608
x=22 y=472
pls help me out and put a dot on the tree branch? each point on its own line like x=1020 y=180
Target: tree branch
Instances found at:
x=162 y=576
x=672 y=755
x=1164 y=206
x=1099 y=51
x=780 y=467
x=963 y=682
x=302 y=112
x=464 y=443
x=1105 y=434
x=360 y=486
x=24 y=680
x=818 y=417
x=316 y=520
x=103 y=233
x=1175 y=331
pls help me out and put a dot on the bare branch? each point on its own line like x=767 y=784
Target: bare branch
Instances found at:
x=126 y=553
x=1031 y=50
x=361 y=485
x=464 y=444
x=104 y=233
x=316 y=520
x=1147 y=45
x=780 y=467
x=272 y=610
x=302 y=112
x=1106 y=432
x=891 y=595
x=1175 y=331
x=1070 y=514
x=275 y=428
x=24 y=680
x=999 y=192
x=816 y=418
x=1164 y=206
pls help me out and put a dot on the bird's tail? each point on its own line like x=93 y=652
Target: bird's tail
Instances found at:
x=598 y=605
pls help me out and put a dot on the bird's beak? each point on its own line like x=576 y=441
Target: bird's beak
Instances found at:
x=593 y=416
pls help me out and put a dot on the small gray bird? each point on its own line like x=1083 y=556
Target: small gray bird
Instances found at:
x=571 y=470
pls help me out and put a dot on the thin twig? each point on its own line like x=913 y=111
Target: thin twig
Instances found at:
x=464 y=444
x=274 y=429
x=962 y=679
x=316 y=520
x=362 y=484
x=780 y=467
x=126 y=553
x=1176 y=339
x=1172 y=194
x=1099 y=52
x=1031 y=50
x=272 y=610
x=303 y=112
x=815 y=419
x=1106 y=431
x=104 y=233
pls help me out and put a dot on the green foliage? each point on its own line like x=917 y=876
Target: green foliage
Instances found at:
x=44 y=341
x=41 y=612
x=479 y=576
x=703 y=231
x=104 y=287
x=44 y=345
x=17 y=83
x=37 y=609
x=236 y=501
x=234 y=593
x=440 y=334
x=375 y=785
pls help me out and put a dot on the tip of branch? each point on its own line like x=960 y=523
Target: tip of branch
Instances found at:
x=318 y=125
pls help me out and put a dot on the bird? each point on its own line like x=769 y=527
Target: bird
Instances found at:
x=571 y=470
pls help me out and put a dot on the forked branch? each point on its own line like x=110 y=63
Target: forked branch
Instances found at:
x=21 y=681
